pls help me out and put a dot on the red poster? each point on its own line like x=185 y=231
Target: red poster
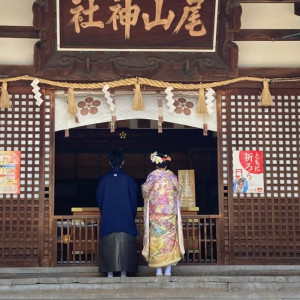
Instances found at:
x=248 y=172
x=10 y=162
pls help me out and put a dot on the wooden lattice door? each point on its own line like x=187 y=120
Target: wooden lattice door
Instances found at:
x=261 y=228
x=25 y=227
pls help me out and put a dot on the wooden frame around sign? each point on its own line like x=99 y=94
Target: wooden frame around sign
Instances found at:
x=179 y=65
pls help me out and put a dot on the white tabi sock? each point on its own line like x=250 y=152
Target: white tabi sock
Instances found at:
x=110 y=274
x=168 y=270
x=123 y=274
x=159 y=272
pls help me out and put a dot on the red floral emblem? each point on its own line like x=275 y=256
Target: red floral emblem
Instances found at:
x=89 y=105
x=183 y=106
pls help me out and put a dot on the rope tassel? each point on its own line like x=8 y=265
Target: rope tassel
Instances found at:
x=4 y=99
x=201 y=107
x=266 y=97
x=72 y=105
x=138 y=102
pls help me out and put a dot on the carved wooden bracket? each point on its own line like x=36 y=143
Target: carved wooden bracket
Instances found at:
x=108 y=66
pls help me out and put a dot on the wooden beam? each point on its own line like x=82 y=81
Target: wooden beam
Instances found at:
x=268 y=1
x=270 y=72
x=297 y=9
x=267 y=35
x=7 y=71
x=25 y=32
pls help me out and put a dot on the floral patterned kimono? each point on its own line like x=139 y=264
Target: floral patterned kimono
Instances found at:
x=163 y=238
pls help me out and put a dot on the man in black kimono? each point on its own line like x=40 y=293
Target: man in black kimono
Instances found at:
x=117 y=201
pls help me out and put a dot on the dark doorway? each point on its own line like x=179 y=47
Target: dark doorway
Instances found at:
x=81 y=159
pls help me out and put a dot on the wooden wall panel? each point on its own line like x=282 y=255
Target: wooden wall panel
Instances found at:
x=25 y=232
x=134 y=165
x=262 y=228
x=65 y=166
x=104 y=164
x=87 y=165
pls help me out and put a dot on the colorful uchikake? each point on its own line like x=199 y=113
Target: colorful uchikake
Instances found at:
x=157 y=159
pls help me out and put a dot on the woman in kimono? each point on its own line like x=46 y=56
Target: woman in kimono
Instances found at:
x=163 y=238
x=117 y=201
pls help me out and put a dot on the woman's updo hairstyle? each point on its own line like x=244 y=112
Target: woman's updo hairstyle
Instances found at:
x=160 y=159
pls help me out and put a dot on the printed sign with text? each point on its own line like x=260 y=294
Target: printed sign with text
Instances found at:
x=10 y=162
x=248 y=172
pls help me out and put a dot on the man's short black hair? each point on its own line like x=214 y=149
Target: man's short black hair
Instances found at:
x=116 y=158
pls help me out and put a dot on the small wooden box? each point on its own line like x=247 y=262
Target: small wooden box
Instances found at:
x=85 y=211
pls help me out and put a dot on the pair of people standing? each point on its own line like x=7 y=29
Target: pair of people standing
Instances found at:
x=117 y=201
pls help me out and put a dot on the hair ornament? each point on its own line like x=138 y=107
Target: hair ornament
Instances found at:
x=158 y=159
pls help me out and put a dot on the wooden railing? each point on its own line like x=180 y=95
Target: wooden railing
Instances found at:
x=76 y=239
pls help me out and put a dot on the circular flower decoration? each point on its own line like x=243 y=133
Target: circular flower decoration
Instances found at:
x=89 y=105
x=183 y=106
x=122 y=135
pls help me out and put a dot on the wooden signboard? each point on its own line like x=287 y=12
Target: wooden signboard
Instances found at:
x=186 y=179
x=135 y=25
x=105 y=40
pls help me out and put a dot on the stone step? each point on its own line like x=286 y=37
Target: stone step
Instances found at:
x=179 y=270
x=190 y=282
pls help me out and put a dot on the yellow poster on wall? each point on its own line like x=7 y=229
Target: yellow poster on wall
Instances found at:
x=186 y=179
x=10 y=162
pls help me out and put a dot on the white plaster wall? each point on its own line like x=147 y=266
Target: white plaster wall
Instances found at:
x=251 y=54
x=269 y=16
x=269 y=54
x=16 y=51
x=16 y=12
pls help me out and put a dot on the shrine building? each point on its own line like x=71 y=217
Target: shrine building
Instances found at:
x=79 y=79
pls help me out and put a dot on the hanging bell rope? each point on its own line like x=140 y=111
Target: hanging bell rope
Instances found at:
x=266 y=97
x=72 y=105
x=138 y=102
x=4 y=99
x=201 y=107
